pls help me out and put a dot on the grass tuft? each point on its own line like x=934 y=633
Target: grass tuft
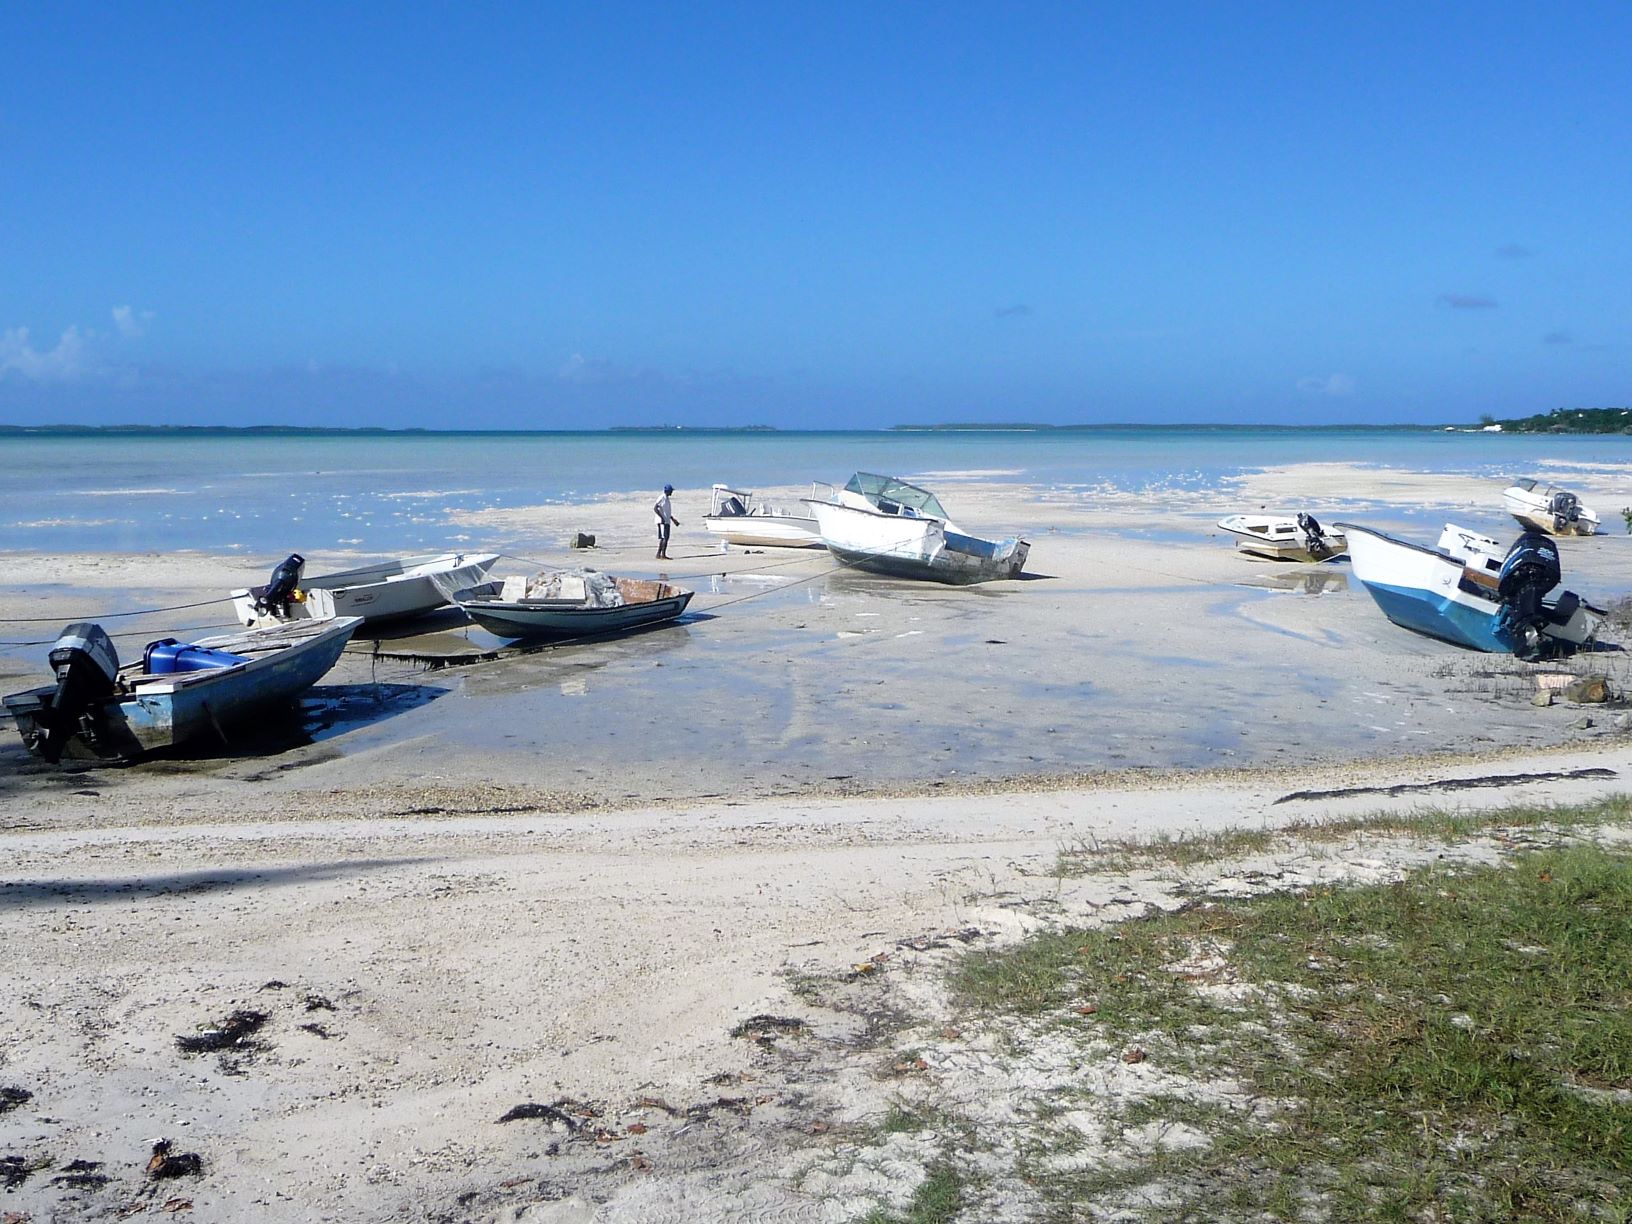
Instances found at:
x=937 y=1200
x=1449 y=1045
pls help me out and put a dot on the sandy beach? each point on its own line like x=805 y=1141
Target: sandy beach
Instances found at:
x=601 y=880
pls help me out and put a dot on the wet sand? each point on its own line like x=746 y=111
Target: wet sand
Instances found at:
x=571 y=875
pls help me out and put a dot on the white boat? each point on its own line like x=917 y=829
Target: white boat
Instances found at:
x=97 y=710
x=740 y=518
x=888 y=526
x=1549 y=508
x=388 y=590
x=1463 y=595
x=1298 y=537
x=566 y=604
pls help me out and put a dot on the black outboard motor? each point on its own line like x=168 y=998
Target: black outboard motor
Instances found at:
x=285 y=578
x=87 y=666
x=1314 y=539
x=1530 y=569
x=1566 y=509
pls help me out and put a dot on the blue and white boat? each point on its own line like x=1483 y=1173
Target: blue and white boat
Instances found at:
x=97 y=710
x=1467 y=593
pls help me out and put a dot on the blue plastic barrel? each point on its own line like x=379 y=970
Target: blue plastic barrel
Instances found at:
x=162 y=658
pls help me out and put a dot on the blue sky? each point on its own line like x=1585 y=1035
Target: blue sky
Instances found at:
x=828 y=215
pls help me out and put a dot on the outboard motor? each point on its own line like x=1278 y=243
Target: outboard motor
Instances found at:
x=1530 y=569
x=86 y=665
x=1566 y=509
x=1314 y=539
x=281 y=588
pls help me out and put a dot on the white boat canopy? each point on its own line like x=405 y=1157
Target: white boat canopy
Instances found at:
x=890 y=494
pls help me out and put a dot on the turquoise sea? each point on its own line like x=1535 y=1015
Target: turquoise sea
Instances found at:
x=393 y=493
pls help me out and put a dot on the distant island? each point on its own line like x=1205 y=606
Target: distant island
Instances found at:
x=302 y=431
x=1565 y=420
x=1168 y=426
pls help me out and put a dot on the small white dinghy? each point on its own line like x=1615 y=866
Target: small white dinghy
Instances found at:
x=1275 y=537
x=740 y=518
x=1549 y=508
x=388 y=590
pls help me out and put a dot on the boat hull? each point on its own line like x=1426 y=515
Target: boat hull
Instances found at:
x=391 y=591
x=764 y=530
x=1432 y=593
x=1280 y=539
x=166 y=712
x=536 y=620
x=1533 y=510
x=918 y=548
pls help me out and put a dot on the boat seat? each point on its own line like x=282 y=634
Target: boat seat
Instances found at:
x=1566 y=607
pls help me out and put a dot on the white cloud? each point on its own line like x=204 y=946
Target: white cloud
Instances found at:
x=130 y=323
x=64 y=363
x=1331 y=384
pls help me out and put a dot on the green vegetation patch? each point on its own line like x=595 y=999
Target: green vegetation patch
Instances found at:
x=937 y=1200
x=1190 y=850
x=1454 y=1046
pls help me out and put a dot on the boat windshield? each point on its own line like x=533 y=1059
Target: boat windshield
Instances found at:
x=881 y=490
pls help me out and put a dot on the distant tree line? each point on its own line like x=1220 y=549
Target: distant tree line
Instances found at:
x=1568 y=420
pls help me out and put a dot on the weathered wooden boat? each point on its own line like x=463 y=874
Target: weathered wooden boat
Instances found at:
x=1273 y=537
x=1545 y=507
x=888 y=526
x=737 y=517
x=573 y=605
x=178 y=692
x=388 y=590
x=1461 y=595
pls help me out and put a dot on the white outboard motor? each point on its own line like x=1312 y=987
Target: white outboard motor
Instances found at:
x=86 y=665
x=281 y=588
x=1529 y=571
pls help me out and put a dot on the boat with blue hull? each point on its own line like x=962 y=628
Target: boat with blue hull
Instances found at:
x=565 y=604
x=1462 y=593
x=178 y=692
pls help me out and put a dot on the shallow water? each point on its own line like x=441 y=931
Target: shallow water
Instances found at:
x=397 y=493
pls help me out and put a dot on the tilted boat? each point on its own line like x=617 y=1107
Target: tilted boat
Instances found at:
x=888 y=526
x=573 y=605
x=740 y=518
x=388 y=590
x=1297 y=537
x=97 y=710
x=1460 y=593
x=1549 y=508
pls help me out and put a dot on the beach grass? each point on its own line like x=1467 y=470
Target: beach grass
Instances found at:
x=937 y=1200
x=1456 y=1044
x=1430 y=824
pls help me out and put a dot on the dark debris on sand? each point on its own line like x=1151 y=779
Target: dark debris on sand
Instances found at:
x=81 y=1175
x=165 y=1163
x=233 y=1033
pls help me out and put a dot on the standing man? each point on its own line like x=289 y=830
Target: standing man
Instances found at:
x=665 y=520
